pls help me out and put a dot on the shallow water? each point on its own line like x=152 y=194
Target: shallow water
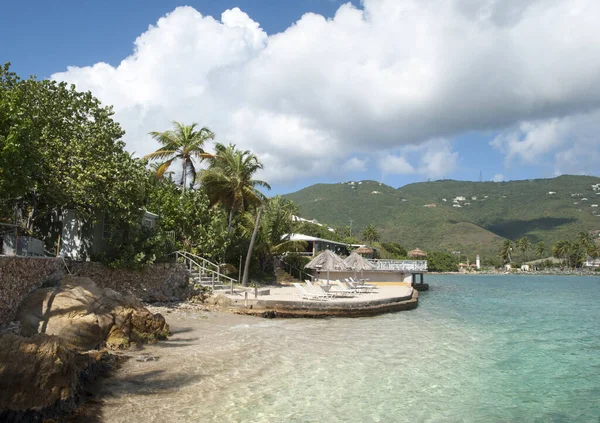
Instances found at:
x=477 y=349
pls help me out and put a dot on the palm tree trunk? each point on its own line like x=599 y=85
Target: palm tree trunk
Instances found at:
x=184 y=175
x=250 y=248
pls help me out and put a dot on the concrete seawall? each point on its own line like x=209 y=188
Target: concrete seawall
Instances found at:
x=339 y=308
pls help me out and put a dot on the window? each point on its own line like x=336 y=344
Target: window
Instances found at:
x=108 y=228
x=148 y=223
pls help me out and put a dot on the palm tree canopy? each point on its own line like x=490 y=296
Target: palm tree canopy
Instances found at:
x=229 y=179
x=184 y=143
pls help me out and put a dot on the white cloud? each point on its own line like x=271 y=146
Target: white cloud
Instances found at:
x=355 y=164
x=391 y=164
x=498 y=177
x=438 y=159
x=570 y=144
x=368 y=81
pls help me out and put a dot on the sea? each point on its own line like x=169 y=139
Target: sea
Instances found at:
x=494 y=348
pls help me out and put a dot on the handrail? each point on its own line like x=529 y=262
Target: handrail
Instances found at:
x=294 y=268
x=399 y=265
x=191 y=259
x=194 y=256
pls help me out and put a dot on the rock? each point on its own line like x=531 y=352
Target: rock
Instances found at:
x=88 y=317
x=41 y=377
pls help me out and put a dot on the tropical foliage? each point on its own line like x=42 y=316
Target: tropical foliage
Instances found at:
x=370 y=234
x=184 y=144
x=61 y=150
x=440 y=261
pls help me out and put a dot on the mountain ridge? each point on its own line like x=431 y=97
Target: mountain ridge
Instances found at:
x=459 y=215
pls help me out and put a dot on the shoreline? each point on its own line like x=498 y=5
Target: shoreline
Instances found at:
x=520 y=273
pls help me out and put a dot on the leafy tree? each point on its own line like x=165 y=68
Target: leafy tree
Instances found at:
x=395 y=249
x=370 y=234
x=540 y=249
x=523 y=245
x=198 y=228
x=440 y=261
x=59 y=150
x=183 y=143
x=505 y=251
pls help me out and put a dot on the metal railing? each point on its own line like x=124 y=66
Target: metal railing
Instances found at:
x=203 y=267
x=400 y=265
x=293 y=271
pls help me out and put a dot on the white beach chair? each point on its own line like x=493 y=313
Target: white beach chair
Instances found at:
x=363 y=287
x=341 y=290
x=304 y=294
x=315 y=288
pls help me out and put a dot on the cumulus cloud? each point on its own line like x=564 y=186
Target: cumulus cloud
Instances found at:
x=498 y=177
x=395 y=165
x=438 y=159
x=355 y=164
x=570 y=144
x=368 y=81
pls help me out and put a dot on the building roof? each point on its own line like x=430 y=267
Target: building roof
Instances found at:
x=301 y=237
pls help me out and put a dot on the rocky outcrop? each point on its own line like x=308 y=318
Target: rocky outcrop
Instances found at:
x=42 y=372
x=41 y=377
x=88 y=317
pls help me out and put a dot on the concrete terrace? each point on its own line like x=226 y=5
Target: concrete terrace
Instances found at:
x=285 y=302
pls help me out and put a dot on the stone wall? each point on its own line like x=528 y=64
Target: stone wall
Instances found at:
x=21 y=275
x=159 y=282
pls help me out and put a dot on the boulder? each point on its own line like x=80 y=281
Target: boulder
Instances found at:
x=88 y=317
x=41 y=377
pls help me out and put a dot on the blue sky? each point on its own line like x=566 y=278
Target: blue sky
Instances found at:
x=397 y=91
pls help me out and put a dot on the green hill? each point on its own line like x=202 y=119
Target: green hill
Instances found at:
x=427 y=214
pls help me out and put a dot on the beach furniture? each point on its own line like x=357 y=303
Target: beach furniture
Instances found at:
x=317 y=289
x=343 y=290
x=358 y=284
x=304 y=294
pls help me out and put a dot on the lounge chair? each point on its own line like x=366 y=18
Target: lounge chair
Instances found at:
x=342 y=290
x=304 y=294
x=315 y=288
x=365 y=287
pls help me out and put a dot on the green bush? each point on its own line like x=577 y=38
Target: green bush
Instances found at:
x=296 y=260
x=439 y=261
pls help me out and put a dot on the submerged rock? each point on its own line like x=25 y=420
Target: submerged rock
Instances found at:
x=88 y=317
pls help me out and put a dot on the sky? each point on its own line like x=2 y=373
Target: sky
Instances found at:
x=397 y=91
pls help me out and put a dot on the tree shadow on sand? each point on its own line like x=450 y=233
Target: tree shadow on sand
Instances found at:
x=114 y=385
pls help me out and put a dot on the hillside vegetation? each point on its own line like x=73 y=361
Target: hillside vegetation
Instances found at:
x=431 y=215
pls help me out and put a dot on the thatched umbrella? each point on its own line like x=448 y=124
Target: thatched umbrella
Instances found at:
x=357 y=262
x=364 y=250
x=327 y=261
x=417 y=253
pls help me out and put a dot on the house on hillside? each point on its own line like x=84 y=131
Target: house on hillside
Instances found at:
x=79 y=241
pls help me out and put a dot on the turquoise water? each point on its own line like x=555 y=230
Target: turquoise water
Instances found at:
x=477 y=349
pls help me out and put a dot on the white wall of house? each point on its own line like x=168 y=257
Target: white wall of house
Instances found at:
x=71 y=243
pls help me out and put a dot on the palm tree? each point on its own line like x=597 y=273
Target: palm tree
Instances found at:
x=563 y=249
x=523 y=244
x=229 y=180
x=370 y=234
x=540 y=248
x=183 y=143
x=277 y=223
x=505 y=251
